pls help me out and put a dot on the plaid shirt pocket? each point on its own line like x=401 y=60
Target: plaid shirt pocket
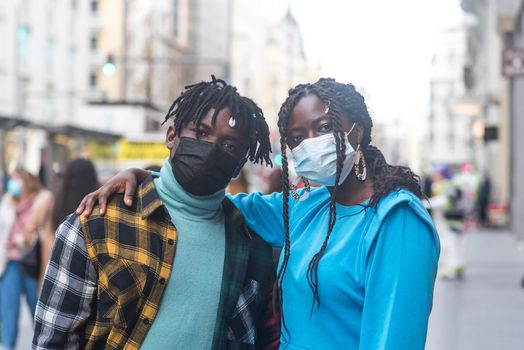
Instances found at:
x=242 y=326
x=121 y=291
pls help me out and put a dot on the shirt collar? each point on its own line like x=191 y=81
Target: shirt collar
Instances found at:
x=148 y=199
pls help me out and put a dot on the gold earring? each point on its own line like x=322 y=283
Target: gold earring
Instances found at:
x=293 y=189
x=361 y=163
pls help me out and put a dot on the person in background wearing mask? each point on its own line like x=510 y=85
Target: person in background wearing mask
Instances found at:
x=179 y=269
x=360 y=252
x=25 y=211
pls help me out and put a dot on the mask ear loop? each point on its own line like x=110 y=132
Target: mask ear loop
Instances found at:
x=239 y=167
x=350 y=130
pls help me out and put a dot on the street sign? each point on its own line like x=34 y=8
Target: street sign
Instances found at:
x=513 y=62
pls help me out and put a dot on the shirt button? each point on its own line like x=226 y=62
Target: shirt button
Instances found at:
x=162 y=281
x=171 y=241
x=146 y=321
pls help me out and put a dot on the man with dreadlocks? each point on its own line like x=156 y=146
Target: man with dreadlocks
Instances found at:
x=360 y=251
x=179 y=269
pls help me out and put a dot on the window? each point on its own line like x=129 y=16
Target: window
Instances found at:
x=152 y=124
x=49 y=50
x=176 y=19
x=93 y=80
x=22 y=37
x=94 y=43
x=94 y=6
x=74 y=4
x=72 y=56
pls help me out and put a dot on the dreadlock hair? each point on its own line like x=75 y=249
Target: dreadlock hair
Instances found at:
x=341 y=98
x=198 y=99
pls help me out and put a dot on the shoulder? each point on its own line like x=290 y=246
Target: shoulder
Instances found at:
x=391 y=213
x=70 y=234
x=117 y=213
x=44 y=200
x=405 y=201
x=45 y=195
x=115 y=203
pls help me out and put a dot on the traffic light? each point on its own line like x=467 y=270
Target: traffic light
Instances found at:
x=109 y=68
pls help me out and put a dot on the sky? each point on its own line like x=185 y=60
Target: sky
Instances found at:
x=384 y=47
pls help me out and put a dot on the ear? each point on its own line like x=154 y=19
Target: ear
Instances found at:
x=359 y=132
x=171 y=139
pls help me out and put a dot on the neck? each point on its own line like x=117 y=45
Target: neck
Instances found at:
x=22 y=198
x=353 y=191
x=184 y=203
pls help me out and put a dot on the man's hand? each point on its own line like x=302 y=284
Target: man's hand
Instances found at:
x=124 y=182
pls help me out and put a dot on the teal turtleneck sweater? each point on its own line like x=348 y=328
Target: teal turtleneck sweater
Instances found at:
x=188 y=310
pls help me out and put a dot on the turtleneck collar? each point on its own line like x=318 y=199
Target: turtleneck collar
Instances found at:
x=180 y=202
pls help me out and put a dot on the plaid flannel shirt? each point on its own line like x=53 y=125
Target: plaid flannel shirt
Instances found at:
x=106 y=277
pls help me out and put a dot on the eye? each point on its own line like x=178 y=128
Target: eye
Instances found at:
x=325 y=128
x=230 y=147
x=201 y=133
x=296 y=139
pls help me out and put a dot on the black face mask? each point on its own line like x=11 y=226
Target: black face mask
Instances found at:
x=201 y=167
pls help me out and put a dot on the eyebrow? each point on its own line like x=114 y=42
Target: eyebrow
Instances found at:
x=316 y=121
x=204 y=125
x=208 y=127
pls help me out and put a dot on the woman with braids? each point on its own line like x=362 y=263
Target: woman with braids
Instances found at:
x=360 y=252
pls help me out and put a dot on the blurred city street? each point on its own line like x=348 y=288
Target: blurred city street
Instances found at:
x=486 y=309
x=437 y=87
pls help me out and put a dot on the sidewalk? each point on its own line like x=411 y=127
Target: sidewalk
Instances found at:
x=486 y=309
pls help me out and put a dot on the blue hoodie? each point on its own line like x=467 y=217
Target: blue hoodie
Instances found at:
x=376 y=276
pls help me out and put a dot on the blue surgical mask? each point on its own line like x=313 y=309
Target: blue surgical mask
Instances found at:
x=14 y=187
x=316 y=159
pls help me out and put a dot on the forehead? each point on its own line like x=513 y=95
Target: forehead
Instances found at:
x=307 y=109
x=222 y=123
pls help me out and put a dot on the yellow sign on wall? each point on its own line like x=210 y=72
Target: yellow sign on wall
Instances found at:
x=101 y=151
x=134 y=150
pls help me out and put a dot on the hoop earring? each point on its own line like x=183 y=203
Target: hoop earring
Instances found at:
x=360 y=163
x=294 y=190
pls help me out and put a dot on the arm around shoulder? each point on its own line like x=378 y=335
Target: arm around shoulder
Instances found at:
x=263 y=214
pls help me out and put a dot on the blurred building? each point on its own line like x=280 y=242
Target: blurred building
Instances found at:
x=493 y=89
x=44 y=69
x=511 y=33
x=267 y=57
x=485 y=93
x=450 y=139
x=108 y=70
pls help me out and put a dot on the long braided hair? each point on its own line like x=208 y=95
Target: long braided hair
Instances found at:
x=341 y=98
x=198 y=99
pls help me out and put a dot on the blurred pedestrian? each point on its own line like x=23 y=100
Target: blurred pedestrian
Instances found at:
x=79 y=179
x=483 y=200
x=360 y=252
x=25 y=211
x=448 y=217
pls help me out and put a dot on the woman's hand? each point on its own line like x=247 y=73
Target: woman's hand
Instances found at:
x=124 y=182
